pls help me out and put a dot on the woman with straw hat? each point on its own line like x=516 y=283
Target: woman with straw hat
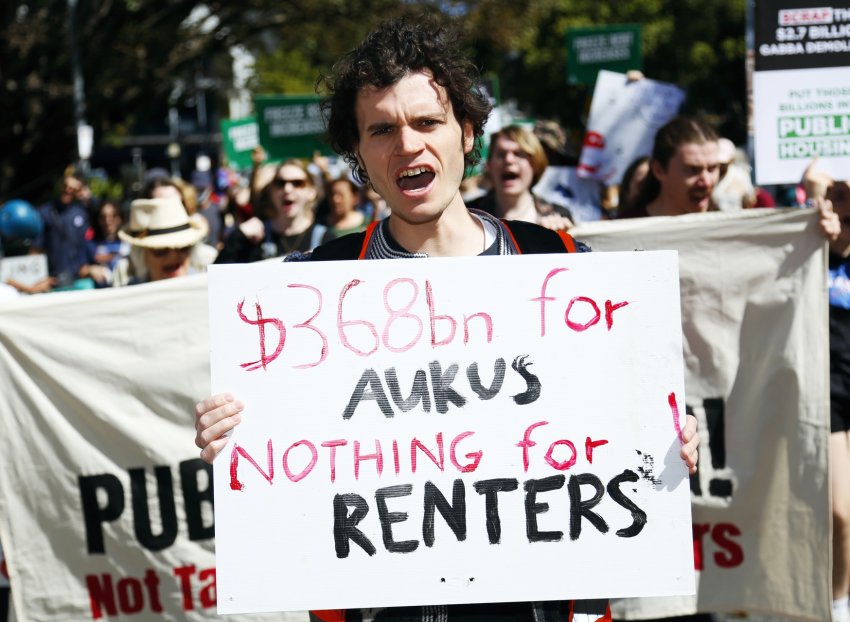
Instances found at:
x=165 y=242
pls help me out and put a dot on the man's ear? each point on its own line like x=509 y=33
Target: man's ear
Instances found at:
x=468 y=136
x=657 y=170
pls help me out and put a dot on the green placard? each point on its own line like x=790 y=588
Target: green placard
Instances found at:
x=615 y=48
x=291 y=126
x=238 y=138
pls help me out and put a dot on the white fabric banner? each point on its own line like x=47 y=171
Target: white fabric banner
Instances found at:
x=106 y=514
x=754 y=309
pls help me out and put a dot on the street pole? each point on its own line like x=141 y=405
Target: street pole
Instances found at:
x=84 y=130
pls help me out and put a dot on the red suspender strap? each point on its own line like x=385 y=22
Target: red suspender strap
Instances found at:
x=568 y=241
x=329 y=615
x=369 y=231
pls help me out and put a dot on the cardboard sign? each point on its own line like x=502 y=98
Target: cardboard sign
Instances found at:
x=413 y=438
x=561 y=185
x=624 y=117
x=801 y=90
x=25 y=269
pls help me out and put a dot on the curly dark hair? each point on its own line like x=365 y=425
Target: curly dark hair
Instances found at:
x=394 y=49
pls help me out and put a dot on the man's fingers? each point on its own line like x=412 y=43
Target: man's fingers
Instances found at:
x=213 y=402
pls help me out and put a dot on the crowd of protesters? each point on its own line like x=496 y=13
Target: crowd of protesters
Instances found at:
x=295 y=205
x=174 y=228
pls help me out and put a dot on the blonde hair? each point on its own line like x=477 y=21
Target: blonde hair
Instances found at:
x=530 y=145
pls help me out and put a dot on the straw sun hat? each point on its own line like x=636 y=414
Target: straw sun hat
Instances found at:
x=161 y=223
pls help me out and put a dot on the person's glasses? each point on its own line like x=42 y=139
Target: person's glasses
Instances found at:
x=162 y=252
x=279 y=182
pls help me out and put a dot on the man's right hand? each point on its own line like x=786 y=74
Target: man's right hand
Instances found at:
x=215 y=417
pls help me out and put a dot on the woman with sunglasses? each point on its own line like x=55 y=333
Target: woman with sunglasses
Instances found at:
x=164 y=241
x=291 y=223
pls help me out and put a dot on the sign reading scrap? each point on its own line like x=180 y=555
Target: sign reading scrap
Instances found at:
x=801 y=88
x=411 y=437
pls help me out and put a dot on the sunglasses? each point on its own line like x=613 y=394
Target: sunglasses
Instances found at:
x=162 y=252
x=279 y=182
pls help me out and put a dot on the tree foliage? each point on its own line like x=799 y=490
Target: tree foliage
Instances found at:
x=139 y=57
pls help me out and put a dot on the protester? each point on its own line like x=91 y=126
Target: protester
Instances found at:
x=515 y=163
x=398 y=107
x=105 y=249
x=683 y=171
x=290 y=227
x=631 y=183
x=827 y=193
x=20 y=225
x=735 y=190
x=343 y=215
x=66 y=225
x=164 y=241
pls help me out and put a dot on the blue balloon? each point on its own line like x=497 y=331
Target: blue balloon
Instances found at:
x=19 y=220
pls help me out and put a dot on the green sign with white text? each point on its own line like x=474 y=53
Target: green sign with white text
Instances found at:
x=291 y=126
x=615 y=48
x=238 y=138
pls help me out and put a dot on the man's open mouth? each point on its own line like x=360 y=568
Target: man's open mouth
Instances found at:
x=509 y=176
x=415 y=178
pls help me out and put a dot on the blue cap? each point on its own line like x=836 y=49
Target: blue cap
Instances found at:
x=19 y=220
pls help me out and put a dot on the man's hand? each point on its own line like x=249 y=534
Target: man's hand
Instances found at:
x=215 y=417
x=690 y=437
x=830 y=223
x=555 y=222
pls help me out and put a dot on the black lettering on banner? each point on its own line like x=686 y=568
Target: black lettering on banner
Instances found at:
x=345 y=524
x=93 y=514
x=387 y=518
x=369 y=378
x=141 y=508
x=485 y=393
x=442 y=383
x=532 y=391
x=712 y=425
x=418 y=392
x=638 y=515
x=194 y=497
x=580 y=508
x=491 y=488
x=454 y=514
x=533 y=508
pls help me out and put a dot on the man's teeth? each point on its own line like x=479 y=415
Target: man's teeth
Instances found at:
x=413 y=171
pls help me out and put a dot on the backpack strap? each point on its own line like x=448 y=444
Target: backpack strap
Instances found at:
x=532 y=239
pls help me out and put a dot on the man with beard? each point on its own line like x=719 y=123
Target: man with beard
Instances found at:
x=683 y=171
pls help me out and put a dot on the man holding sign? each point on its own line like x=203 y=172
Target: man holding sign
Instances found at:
x=404 y=110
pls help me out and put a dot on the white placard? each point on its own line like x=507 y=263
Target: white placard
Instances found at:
x=561 y=185
x=25 y=269
x=509 y=408
x=624 y=117
x=801 y=114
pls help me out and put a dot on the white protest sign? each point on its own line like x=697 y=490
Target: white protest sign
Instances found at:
x=561 y=185
x=624 y=117
x=801 y=115
x=25 y=269
x=411 y=437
